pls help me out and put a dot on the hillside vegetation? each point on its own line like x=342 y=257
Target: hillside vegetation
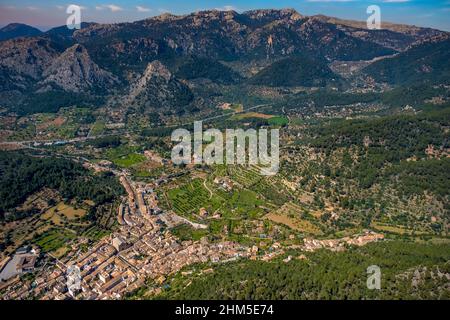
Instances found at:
x=408 y=271
x=295 y=71
x=22 y=175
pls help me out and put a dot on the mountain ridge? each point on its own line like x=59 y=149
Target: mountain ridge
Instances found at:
x=15 y=30
x=113 y=56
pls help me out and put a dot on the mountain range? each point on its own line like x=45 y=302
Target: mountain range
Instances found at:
x=152 y=63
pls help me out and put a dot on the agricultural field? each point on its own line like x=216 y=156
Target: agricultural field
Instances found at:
x=56 y=226
x=204 y=193
x=146 y=170
x=294 y=217
x=125 y=156
x=185 y=232
x=97 y=128
x=54 y=239
x=243 y=204
x=189 y=198
x=245 y=176
x=48 y=122
x=235 y=213
x=396 y=229
x=62 y=213
x=129 y=160
x=268 y=187
x=248 y=115
x=278 y=121
x=95 y=233
x=23 y=131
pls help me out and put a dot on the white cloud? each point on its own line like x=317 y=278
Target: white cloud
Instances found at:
x=143 y=9
x=112 y=7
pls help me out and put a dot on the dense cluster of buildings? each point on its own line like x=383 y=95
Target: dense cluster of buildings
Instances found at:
x=121 y=263
x=339 y=244
x=140 y=250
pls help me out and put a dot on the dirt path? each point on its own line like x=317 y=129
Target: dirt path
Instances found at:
x=210 y=192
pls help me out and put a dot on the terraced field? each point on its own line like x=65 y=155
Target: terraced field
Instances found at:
x=189 y=198
x=251 y=178
x=245 y=176
x=238 y=203
x=290 y=215
x=54 y=239
x=95 y=233
x=63 y=212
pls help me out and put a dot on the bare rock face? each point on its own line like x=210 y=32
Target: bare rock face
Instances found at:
x=91 y=60
x=270 y=15
x=155 y=71
x=74 y=71
x=157 y=87
x=27 y=56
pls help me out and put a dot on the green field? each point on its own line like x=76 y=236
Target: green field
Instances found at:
x=97 y=128
x=95 y=233
x=54 y=239
x=129 y=160
x=125 y=156
x=185 y=232
x=189 y=198
x=278 y=121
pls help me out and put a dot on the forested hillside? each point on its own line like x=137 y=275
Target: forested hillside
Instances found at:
x=300 y=70
x=408 y=271
x=22 y=175
x=391 y=140
x=428 y=61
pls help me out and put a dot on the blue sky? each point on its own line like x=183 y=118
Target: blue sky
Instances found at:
x=48 y=13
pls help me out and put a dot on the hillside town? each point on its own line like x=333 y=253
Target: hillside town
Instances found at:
x=141 y=250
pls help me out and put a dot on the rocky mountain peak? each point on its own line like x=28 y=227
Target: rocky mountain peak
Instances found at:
x=167 y=16
x=216 y=13
x=156 y=69
x=157 y=87
x=75 y=71
x=274 y=14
